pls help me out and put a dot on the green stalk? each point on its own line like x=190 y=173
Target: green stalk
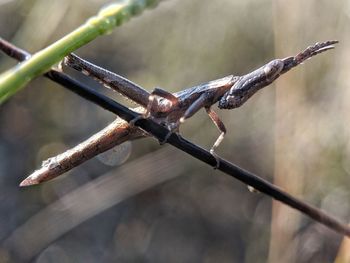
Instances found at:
x=109 y=17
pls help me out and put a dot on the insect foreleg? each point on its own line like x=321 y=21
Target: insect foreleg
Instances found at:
x=199 y=103
x=220 y=125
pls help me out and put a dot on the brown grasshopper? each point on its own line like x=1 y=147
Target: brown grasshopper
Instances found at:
x=122 y=131
x=171 y=110
x=166 y=108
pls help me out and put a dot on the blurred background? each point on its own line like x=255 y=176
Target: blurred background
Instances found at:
x=162 y=205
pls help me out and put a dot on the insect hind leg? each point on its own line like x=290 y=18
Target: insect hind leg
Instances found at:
x=152 y=106
x=108 y=79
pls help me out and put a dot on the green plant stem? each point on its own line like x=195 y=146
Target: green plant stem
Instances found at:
x=109 y=17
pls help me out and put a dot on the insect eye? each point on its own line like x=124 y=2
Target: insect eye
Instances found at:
x=267 y=70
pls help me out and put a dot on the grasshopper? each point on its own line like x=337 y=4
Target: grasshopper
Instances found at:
x=171 y=110
x=165 y=108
